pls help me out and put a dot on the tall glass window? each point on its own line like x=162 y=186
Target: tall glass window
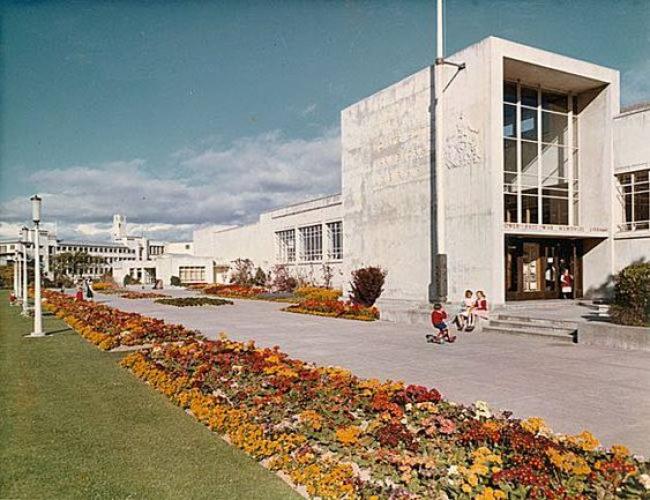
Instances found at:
x=634 y=193
x=335 y=240
x=540 y=156
x=311 y=243
x=286 y=241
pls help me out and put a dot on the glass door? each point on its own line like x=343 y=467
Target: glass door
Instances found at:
x=531 y=267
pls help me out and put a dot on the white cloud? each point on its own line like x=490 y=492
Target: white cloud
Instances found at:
x=207 y=185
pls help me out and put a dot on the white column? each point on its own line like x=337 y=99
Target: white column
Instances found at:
x=25 y=277
x=540 y=151
x=16 y=277
x=518 y=120
x=569 y=148
x=38 y=318
x=19 y=277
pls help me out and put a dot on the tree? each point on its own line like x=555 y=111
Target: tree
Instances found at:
x=242 y=273
x=260 y=277
x=73 y=263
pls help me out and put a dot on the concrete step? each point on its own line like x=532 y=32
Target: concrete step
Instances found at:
x=524 y=325
x=556 y=334
x=541 y=322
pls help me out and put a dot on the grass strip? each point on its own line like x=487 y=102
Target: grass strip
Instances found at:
x=73 y=424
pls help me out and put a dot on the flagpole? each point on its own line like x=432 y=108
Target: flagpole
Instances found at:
x=440 y=261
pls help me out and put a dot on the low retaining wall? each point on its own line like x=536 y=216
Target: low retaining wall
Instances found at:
x=616 y=336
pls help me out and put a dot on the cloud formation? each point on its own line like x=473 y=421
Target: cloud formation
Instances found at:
x=207 y=185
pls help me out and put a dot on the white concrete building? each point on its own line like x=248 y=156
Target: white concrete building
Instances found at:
x=540 y=172
x=305 y=237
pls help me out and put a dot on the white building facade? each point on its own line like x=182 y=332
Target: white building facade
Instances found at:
x=540 y=172
x=306 y=238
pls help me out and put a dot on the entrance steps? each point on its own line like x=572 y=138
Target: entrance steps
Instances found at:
x=552 y=329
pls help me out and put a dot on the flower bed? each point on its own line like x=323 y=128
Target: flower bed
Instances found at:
x=102 y=286
x=317 y=293
x=335 y=309
x=109 y=328
x=144 y=295
x=339 y=436
x=193 y=301
x=234 y=291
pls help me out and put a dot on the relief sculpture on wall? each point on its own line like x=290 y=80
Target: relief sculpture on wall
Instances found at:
x=462 y=148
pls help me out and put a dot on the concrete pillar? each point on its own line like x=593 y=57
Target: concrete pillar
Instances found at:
x=16 y=276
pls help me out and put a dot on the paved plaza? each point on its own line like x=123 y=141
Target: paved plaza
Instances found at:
x=573 y=387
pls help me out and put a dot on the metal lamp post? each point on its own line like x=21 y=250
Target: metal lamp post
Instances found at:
x=16 y=277
x=25 y=260
x=25 y=241
x=38 y=315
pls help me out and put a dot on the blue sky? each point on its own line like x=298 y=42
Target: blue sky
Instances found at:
x=181 y=114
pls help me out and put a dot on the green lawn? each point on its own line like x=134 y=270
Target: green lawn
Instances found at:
x=75 y=424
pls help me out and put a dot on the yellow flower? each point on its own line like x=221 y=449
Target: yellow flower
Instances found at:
x=585 y=441
x=536 y=425
x=620 y=451
x=490 y=494
x=466 y=488
x=348 y=435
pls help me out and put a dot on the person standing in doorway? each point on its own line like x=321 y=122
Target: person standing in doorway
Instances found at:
x=566 y=282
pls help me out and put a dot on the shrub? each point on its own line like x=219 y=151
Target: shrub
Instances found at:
x=193 y=301
x=143 y=295
x=6 y=276
x=282 y=281
x=100 y=286
x=260 y=277
x=334 y=309
x=328 y=274
x=130 y=280
x=242 y=273
x=632 y=296
x=234 y=291
x=175 y=281
x=317 y=293
x=367 y=285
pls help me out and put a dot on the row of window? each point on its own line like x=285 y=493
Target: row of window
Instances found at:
x=191 y=274
x=540 y=156
x=310 y=239
x=634 y=194
x=76 y=248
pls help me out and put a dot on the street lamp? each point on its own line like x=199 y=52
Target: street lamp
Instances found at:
x=38 y=316
x=16 y=277
x=25 y=241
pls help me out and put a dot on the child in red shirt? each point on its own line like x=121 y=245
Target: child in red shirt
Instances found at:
x=438 y=317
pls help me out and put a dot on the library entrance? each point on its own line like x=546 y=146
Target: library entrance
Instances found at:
x=534 y=267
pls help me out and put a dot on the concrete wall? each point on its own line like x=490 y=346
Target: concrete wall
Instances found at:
x=632 y=147
x=472 y=172
x=386 y=185
x=631 y=143
x=185 y=247
x=257 y=242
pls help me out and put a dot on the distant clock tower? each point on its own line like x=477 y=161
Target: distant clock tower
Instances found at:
x=119 y=227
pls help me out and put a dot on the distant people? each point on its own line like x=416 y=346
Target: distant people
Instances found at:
x=566 y=282
x=90 y=293
x=481 y=305
x=79 y=295
x=438 y=317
